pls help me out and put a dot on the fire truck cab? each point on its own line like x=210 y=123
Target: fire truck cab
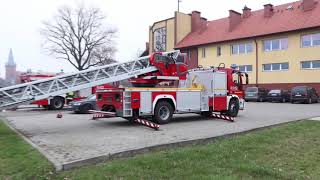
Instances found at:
x=201 y=90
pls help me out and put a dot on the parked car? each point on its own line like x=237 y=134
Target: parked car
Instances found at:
x=85 y=105
x=278 y=95
x=304 y=94
x=256 y=94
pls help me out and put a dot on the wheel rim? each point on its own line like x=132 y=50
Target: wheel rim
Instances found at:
x=164 y=113
x=57 y=104
x=232 y=107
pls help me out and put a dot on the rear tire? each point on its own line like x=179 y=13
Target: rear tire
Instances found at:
x=234 y=107
x=163 y=112
x=56 y=103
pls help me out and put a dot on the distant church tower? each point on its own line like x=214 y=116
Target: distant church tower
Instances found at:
x=11 y=69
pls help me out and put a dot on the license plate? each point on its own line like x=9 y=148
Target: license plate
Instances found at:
x=298 y=95
x=250 y=95
x=274 y=94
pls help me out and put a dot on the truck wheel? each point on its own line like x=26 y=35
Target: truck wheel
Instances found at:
x=163 y=112
x=56 y=103
x=108 y=109
x=233 y=109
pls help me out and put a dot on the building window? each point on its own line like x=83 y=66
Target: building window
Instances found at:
x=310 y=64
x=160 y=36
x=219 y=51
x=241 y=48
x=310 y=40
x=276 y=44
x=276 y=67
x=203 y=53
x=245 y=68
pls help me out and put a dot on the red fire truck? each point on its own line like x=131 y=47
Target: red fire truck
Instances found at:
x=201 y=90
x=58 y=102
x=53 y=103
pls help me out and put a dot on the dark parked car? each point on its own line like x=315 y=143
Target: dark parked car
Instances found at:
x=256 y=94
x=85 y=105
x=304 y=94
x=278 y=95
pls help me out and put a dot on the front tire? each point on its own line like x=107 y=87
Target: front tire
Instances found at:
x=234 y=107
x=163 y=112
x=56 y=103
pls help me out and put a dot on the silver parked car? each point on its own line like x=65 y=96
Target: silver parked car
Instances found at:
x=85 y=105
x=256 y=94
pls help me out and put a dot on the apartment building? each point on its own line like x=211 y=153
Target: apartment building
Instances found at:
x=278 y=46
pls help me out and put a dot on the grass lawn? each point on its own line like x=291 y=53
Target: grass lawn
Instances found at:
x=288 y=152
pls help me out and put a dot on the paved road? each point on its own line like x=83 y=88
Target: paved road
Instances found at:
x=76 y=137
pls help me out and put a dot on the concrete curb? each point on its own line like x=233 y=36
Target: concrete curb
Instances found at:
x=58 y=166
x=161 y=147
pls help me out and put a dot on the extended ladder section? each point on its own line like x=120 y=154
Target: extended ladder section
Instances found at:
x=26 y=93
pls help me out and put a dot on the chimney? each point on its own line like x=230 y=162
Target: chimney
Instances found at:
x=246 y=12
x=234 y=19
x=195 y=21
x=268 y=10
x=203 y=24
x=308 y=5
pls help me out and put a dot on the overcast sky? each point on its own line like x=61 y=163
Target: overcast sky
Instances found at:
x=20 y=22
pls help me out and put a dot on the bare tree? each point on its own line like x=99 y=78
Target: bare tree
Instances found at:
x=80 y=36
x=138 y=53
x=103 y=55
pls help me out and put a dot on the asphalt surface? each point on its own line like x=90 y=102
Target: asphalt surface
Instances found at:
x=75 y=137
